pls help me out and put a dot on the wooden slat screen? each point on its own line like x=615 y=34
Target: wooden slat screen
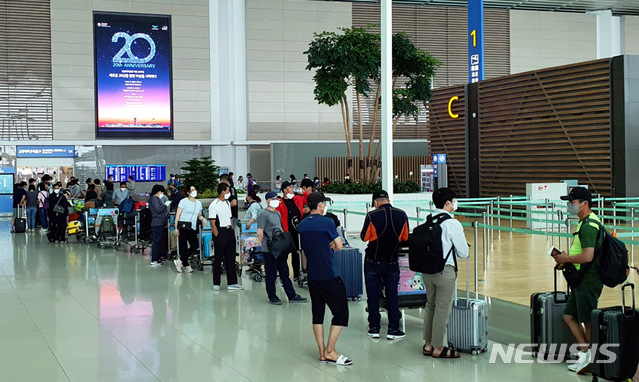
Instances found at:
x=333 y=168
x=545 y=126
x=447 y=135
x=441 y=31
x=26 y=110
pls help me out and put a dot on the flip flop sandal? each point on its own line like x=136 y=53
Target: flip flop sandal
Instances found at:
x=426 y=352
x=447 y=353
x=342 y=360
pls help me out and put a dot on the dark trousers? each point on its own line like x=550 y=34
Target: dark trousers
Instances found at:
x=295 y=260
x=224 y=251
x=188 y=245
x=159 y=246
x=376 y=275
x=58 y=227
x=272 y=266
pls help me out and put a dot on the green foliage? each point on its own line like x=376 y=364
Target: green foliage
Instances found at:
x=207 y=194
x=350 y=58
x=407 y=187
x=201 y=173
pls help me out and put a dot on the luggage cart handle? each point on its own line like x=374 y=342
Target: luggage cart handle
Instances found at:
x=623 y=299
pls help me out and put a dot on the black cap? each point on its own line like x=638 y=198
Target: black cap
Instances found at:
x=380 y=194
x=578 y=193
x=314 y=199
x=285 y=184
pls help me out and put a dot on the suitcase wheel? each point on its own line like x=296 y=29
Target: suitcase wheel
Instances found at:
x=474 y=352
x=257 y=277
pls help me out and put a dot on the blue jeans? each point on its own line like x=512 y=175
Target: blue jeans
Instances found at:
x=31 y=217
x=44 y=217
x=377 y=275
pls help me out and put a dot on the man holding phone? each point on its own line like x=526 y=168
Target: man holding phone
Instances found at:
x=585 y=296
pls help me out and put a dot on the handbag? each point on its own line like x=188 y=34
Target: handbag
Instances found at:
x=281 y=243
x=184 y=225
x=58 y=209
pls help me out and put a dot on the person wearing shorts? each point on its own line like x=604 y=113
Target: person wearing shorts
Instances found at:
x=585 y=296
x=319 y=240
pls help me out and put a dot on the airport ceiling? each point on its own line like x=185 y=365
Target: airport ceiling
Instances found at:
x=618 y=7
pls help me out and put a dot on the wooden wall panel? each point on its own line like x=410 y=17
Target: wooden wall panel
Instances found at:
x=333 y=168
x=448 y=135
x=545 y=126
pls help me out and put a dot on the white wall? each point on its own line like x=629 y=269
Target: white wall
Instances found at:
x=629 y=34
x=545 y=39
x=281 y=103
x=72 y=59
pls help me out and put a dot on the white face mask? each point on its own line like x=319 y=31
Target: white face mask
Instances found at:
x=455 y=205
x=290 y=196
x=57 y=191
x=122 y=188
x=325 y=210
x=274 y=203
x=227 y=196
x=193 y=194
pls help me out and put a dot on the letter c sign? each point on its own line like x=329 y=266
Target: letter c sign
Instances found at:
x=450 y=107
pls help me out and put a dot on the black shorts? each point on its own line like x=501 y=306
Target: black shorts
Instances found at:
x=332 y=293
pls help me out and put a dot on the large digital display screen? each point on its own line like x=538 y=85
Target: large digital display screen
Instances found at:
x=120 y=173
x=140 y=172
x=133 y=89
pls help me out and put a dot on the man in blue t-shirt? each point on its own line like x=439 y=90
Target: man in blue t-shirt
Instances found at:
x=318 y=240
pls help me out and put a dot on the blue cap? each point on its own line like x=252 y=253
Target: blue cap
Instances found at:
x=271 y=195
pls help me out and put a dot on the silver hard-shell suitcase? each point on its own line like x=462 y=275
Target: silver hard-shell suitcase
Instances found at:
x=468 y=322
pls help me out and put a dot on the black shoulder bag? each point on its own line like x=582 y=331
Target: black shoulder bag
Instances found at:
x=281 y=243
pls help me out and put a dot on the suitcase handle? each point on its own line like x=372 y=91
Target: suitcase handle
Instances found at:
x=623 y=299
x=556 y=292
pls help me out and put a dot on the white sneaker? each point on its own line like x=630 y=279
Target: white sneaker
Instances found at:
x=188 y=269
x=580 y=360
x=216 y=287
x=584 y=367
x=235 y=287
x=178 y=265
x=156 y=264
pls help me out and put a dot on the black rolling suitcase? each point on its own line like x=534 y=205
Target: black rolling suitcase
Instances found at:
x=617 y=327
x=548 y=331
x=20 y=223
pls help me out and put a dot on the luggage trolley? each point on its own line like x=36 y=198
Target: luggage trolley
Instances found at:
x=107 y=239
x=203 y=258
x=250 y=250
x=90 y=236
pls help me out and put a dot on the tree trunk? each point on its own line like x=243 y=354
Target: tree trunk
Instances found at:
x=347 y=132
x=378 y=168
x=371 y=143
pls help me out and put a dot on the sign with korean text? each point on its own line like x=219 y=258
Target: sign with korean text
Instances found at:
x=475 y=41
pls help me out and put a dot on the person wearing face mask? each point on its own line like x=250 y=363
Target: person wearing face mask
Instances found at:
x=221 y=220
x=440 y=287
x=320 y=240
x=57 y=220
x=158 y=225
x=232 y=198
x=121 y=194
x=384 y=228
x=189 y=212
x=254 y=210
x=267 y=225
x=292 y=211
x=585 y=296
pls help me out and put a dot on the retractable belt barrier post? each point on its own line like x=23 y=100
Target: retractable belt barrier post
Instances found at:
x=475 y=252
x=484 y=244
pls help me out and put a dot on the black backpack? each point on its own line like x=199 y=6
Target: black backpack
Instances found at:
x=425 y=252
x=612 y=258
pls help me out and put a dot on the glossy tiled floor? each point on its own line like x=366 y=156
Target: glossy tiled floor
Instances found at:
x=79 y=313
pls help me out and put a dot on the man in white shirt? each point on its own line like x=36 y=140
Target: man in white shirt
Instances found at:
x=223 y=238
x=441 y=286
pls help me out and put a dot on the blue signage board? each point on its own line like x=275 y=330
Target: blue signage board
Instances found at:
x=7 y=170
x=150 y=173
x=45 y=152
x=439 y=158
x=475 y=41
x=120 y=173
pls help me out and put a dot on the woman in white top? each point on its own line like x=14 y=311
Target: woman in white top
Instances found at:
x=254 y=209
x=188 y=213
